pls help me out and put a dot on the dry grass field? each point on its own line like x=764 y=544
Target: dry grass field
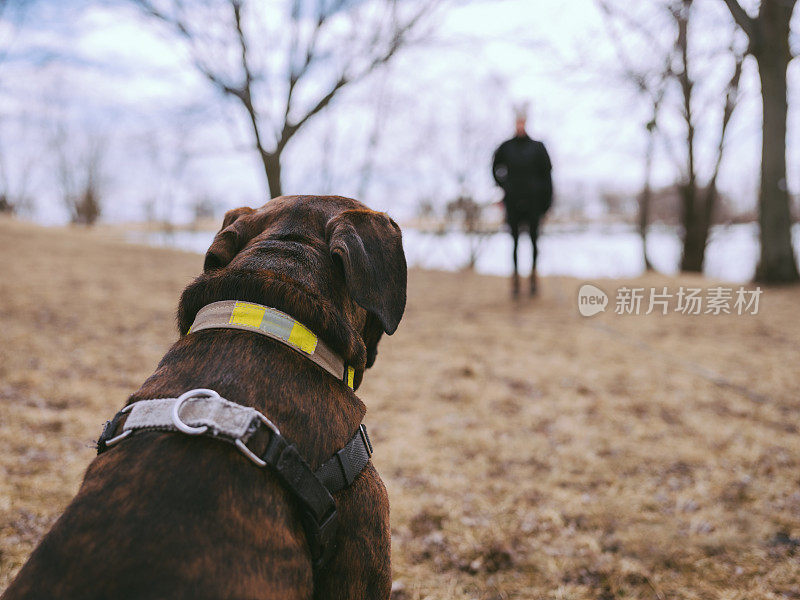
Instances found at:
x=529 y=452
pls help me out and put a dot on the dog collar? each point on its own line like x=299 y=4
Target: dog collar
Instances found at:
x=235 y=314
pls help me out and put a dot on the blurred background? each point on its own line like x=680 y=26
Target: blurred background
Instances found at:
x=528 y=451
x=158 y=116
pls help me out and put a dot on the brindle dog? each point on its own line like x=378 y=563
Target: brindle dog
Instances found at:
x=166 y=516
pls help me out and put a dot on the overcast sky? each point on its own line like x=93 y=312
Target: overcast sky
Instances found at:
x=100 y=70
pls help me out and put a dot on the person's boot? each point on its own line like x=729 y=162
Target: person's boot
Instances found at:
x=534 y=283
x=515 y=285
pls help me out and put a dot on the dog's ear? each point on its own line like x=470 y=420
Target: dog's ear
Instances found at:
x=229 y=240
x=370 y=247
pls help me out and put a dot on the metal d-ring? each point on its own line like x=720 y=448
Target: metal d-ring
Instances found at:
x=176 y=419
x=269 y=424
x=249 y=453
x=118 y=438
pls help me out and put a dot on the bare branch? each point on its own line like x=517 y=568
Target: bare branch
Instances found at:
x=296 y=73
x=610 y=12
x=246 y=89
x=637 y=77
x=398 y=40
x=236 y=5
x=289 y=129
x=680 y=13
x=651 y=83
x=183 y=31
x=731 y=99
x=376 y=45
x=743 y=20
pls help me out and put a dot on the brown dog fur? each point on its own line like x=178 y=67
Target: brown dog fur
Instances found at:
x=167 y=516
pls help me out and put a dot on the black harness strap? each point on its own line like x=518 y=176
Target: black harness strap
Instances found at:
x=341 y=469
x=320 y=518
x=312 y=489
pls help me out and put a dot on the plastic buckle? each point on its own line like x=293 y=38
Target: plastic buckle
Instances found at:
x=106 y=441
x=108 y=429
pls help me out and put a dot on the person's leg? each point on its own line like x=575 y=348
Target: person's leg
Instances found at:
x=534 y=231
x=514 y=224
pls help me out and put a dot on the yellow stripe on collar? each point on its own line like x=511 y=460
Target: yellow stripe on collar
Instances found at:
x=235 y=314
x=247 y=314
x=303 y=338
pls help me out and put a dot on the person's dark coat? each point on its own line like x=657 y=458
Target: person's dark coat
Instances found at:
x=522 y=167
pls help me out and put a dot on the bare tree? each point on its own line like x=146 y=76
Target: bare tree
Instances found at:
x=462 y=162
x=283 y=81
x=768 y=34
x=79 y=175
x=204 y=209
x=467 y=215
x=13 y=194
x=650 y=83
x=672 y=67
x=15 y=182
x=698 y=204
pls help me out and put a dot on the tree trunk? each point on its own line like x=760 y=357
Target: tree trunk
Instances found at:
x=644 y=218
x=646 y=195
x=272 y=169
x=695 y=231
x=698 y=228
x=695 y=227
x=777 y=262
x=694 y=250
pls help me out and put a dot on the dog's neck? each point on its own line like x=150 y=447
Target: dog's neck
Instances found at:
x=276 y=291
x=313 y=408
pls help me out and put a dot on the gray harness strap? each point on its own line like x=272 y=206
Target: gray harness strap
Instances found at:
x=223 y=418
x=203 y=412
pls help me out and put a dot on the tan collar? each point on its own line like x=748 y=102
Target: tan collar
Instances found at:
x=235 y=314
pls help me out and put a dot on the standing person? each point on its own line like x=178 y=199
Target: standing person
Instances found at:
x=522 y=167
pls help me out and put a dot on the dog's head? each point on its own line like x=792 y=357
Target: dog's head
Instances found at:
x=331 y=247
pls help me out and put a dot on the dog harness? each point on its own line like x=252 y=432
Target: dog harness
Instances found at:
x=203 y=412
x=235 y=314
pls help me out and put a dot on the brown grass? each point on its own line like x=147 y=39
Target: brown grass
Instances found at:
x=528 y=452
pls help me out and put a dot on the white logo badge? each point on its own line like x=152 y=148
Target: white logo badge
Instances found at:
x=591 y=300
